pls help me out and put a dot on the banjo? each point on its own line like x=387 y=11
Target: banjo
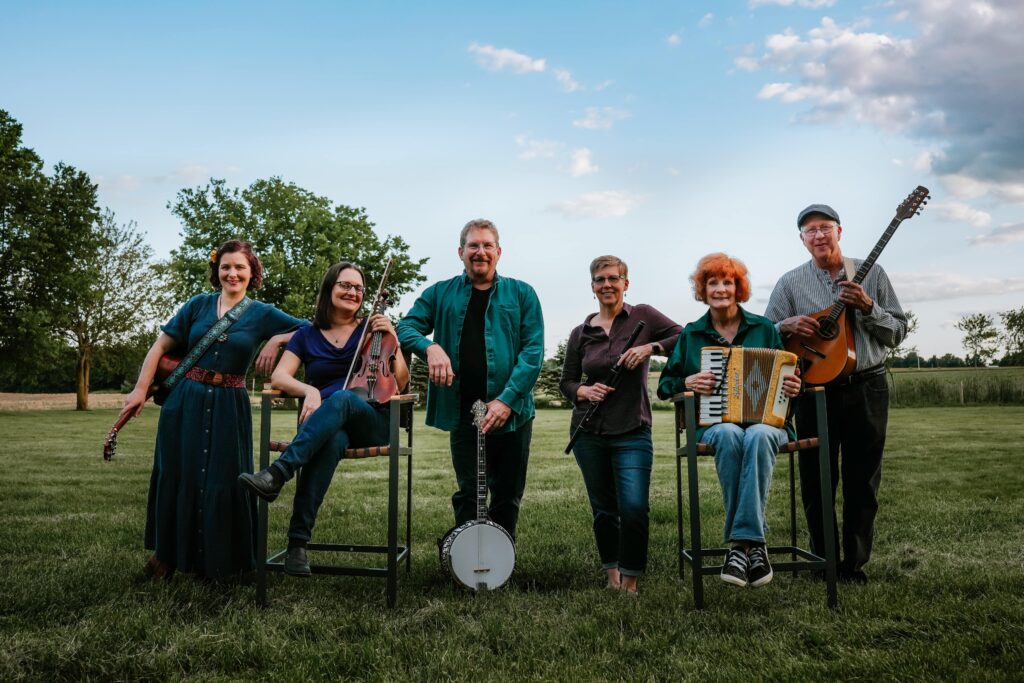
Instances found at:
x=479 y=554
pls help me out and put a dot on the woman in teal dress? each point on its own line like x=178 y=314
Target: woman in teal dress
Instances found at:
x=197 y=519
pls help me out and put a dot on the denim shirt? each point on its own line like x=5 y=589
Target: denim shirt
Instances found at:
x=513 y=336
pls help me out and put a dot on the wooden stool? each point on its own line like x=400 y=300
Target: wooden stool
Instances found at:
x=400 y=418
x=686 y=420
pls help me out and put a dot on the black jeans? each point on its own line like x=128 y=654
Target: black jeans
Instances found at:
x=857 y=417
x=507 y=457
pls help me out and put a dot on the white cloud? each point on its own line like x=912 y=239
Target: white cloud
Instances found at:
x=582 y=163
x=918 y=287
x=706 y=20
x=958 y=212
x=565 y=79
x=747 y=63
x=607 y=204
x=537 y=149
x=602 y=85
x=500 y=59
x=122 y=183
x=674 y=39
x=671 y=170
x=955 y=84
x=810 y=4
x=601 y=118
x=1010 y=232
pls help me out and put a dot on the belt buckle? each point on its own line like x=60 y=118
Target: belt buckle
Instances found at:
x=210 y=377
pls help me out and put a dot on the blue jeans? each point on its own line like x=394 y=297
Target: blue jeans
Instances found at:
x=342 y=421
x=617 y=473
x=744 y=458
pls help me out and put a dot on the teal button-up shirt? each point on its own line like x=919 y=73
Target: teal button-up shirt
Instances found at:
x=755 y=331
x=513 y=337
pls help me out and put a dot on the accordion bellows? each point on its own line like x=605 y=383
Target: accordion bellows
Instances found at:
x=749 y=386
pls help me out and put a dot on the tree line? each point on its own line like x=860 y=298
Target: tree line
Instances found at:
x=81 y=296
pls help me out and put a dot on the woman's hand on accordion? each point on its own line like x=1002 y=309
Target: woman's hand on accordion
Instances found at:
x=701 y=383
x=791 y=385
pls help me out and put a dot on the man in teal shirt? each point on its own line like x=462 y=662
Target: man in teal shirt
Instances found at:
x=488 y=344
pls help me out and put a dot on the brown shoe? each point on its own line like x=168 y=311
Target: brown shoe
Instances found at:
x=157 y=570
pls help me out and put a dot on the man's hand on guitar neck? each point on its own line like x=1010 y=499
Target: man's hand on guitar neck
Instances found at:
x=852 y=294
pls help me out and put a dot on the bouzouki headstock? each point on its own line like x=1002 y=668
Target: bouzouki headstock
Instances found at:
x=913 y=204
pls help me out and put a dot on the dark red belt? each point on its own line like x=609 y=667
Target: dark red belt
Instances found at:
x=217 y=379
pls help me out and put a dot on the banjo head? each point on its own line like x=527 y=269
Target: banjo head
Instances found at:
x=479 y=555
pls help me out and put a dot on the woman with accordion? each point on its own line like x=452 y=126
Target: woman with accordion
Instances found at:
x=614 y=448
x=744 y=454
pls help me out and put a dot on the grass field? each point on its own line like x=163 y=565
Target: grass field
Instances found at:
x=945 y=602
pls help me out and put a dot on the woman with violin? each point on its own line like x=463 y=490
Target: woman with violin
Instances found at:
x=333 y=417
x=197 y=521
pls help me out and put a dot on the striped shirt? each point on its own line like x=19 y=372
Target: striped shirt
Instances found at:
x=809 y=289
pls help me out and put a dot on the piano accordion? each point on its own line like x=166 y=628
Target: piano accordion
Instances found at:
x=749 y=386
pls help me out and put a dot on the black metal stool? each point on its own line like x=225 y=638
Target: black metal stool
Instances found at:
x=400 y=419
x=686 y=420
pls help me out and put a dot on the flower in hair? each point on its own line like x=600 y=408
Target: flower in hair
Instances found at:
x=213 y=256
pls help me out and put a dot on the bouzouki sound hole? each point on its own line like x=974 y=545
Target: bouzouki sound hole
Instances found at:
x=827 y=329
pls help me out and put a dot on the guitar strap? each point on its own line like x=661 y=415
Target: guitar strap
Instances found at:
x=851 y=272
x=197 y=351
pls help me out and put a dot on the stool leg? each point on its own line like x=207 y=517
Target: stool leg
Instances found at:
x=792 y=510
x=679 y=514
x=825 y=471
x=266 y=407
x=395 y=442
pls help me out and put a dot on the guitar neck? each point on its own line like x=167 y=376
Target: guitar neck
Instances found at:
x=481 y=476
x=862 y=272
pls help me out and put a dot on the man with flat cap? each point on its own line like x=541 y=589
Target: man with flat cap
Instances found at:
x=858 y=404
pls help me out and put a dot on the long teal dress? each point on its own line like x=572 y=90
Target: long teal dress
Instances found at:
x=199 y=519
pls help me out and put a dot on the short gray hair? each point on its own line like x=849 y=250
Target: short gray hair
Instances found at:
x=478 y=224
x=609 y=260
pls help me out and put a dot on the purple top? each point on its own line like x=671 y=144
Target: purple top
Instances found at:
x=326 y=365
x=591 y=351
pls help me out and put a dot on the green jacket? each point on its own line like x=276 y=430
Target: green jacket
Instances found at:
x=513 y=335
x=755 y=331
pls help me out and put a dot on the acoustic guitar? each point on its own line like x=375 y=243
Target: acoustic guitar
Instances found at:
x=163 y=370
x=830 y=353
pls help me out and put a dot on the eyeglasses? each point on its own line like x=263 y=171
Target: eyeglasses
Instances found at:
x=610 y=279
x=348 y=287
x=824 y=230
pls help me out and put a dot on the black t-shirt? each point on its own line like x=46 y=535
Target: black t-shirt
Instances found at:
x=473 y=351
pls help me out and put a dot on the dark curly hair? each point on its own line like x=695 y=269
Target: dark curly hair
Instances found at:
x=229 y=247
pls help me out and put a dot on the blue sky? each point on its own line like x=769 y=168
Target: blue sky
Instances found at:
x=654 y=131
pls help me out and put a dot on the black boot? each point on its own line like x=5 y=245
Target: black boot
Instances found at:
x=264 y=484
x=296 y=562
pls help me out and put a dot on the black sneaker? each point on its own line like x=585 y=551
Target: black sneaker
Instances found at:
x=760 y=571
x=734 y=570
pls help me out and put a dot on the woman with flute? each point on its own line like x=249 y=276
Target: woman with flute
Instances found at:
x=614 y=449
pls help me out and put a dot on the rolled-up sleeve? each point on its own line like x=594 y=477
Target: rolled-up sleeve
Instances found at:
x=673 y=377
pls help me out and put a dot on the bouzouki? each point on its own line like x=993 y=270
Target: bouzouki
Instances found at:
x=830 y=352
x=479 y=555
x=163 y=370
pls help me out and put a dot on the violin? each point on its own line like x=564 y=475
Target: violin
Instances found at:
x=372 y=374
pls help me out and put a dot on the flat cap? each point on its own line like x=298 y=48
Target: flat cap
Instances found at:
x=823 y=209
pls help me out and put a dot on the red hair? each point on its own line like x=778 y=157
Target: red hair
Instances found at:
x=720 y=265
x=229 y=247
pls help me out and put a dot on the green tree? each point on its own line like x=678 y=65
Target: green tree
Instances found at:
x=551 y=375
x=46 y=238
x=297 y=235
x=981 y=340
x=1013 y=335
x=119 y=293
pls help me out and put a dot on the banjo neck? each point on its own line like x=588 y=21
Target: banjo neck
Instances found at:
x=481 y=475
